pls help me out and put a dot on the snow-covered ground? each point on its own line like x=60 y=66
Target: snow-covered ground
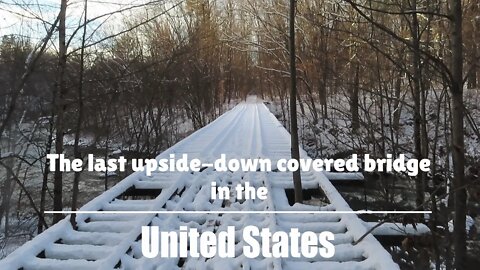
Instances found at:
x=105 y=241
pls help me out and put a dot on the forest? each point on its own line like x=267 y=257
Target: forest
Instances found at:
x=132 y=77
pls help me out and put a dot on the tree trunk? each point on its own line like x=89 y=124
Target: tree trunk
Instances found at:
x=60 y=110
x=416 y=93
x=46 y=172
x=471 y=32
x=295 y=151
x=354 y=101
x=456 y=88
x=76 y=149
x=7 y=194
x=397 y=107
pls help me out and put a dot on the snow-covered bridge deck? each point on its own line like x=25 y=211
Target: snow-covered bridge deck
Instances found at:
x=112 y=241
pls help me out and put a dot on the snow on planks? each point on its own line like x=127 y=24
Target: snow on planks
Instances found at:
x=112 y=241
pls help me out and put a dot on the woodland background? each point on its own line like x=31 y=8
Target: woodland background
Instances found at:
x=376 y=77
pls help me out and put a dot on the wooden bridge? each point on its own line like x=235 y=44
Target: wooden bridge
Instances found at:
x=112 y=241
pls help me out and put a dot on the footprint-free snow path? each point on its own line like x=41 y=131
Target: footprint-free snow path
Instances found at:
x=112 y=241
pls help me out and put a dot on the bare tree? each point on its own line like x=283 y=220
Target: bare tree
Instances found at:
x=76 y=148
x=297 y=180
x=60 y=108
x=456 y=93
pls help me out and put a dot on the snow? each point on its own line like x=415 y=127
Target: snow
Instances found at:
x=344 y=176
x=249 y=130
x=398 y=229
x=117 y=152
x=6 y=155
x=470 y=222
x=85 y=140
